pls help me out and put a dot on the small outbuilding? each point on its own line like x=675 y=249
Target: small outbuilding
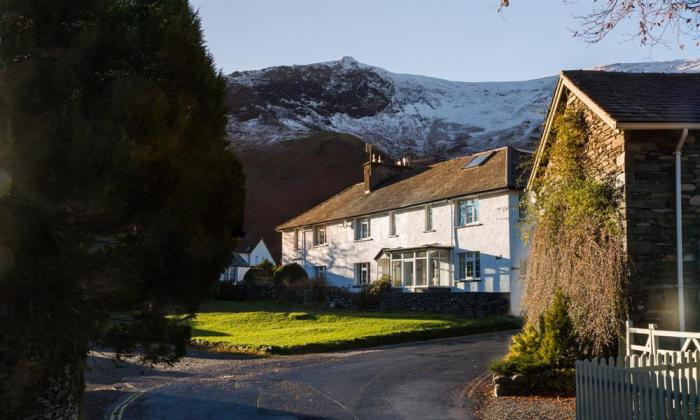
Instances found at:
x=643 y=134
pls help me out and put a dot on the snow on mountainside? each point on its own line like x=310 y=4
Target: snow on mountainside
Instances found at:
x=401 y=114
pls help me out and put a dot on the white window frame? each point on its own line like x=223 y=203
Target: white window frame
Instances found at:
x=466 y=262
x=359 y=222
x=428 y=218
x=392 y=223
x=362 y=274
x=320 y=272
x=467 y=212
x=318 y=232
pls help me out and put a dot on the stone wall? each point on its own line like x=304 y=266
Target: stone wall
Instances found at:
x=471 y=305
x=26 y=392
x=641 y=163
x=651 y=231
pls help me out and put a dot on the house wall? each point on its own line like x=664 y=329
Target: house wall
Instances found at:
x=495 y=236
x=651 y=232
x=260 y=253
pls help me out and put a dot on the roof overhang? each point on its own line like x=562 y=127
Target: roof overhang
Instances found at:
x=412 y=248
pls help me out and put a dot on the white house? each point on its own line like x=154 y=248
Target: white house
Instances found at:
x=243 y=258
x=453 y=225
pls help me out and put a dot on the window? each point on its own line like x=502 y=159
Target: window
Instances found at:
x=439 y=268
x=362 y=274
x=319 y=235
x=421 y=269
x=467 y=212
x=320 y=271
x=469 y=265
x=383 y=269
x=296 y=239
x=428 y=218
x=362 y=228
x=392 y=223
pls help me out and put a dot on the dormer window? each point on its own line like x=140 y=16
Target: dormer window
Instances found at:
x=362 y=228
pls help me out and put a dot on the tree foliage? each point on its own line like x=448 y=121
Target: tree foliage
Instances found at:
x=574 y=226
x=655 y=19
x=118 y=198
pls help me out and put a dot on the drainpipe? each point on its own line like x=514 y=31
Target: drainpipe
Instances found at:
x=679 y=232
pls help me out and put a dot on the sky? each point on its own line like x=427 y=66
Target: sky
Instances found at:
x=465 y=40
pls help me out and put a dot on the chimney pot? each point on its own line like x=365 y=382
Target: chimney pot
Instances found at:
x=376 y=172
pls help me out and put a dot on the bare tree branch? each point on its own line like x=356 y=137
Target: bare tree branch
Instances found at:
x=655 y=19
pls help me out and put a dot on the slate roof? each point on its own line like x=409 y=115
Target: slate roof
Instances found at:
x=444 y=180
x=642 y=97
x=238 y=261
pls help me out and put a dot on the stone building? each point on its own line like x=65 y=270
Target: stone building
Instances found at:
x=643 y=127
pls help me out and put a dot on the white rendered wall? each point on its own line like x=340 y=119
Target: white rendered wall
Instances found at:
x=260 y=253
x=496 y=236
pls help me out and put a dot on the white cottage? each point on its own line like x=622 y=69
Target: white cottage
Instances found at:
x=244 y=257
x=452 y=226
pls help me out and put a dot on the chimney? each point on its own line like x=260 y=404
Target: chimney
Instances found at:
x=377 y=172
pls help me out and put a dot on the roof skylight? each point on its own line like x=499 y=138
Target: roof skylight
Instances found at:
x=477 y=160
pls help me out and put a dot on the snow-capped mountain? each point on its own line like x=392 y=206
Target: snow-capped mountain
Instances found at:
x=401 y=114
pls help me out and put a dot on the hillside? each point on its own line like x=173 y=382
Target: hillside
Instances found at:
x=289 y=177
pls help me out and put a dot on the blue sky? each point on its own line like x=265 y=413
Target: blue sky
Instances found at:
x=453 y=39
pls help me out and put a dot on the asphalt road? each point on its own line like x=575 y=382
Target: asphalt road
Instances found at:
x=423 y=380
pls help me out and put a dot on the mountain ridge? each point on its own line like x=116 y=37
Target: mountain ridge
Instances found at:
x=403 y=114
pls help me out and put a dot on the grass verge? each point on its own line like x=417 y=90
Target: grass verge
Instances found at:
x=265 y=328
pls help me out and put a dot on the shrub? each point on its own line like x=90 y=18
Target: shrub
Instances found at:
x=289 y=273
x=266 y=267
x=380 y=286
x=544 y=351
x=249 y=276
x=558 y=345
x=230 y=291
x=319 y=291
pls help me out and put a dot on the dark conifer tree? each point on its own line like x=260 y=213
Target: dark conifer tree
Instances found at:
x=118 y=198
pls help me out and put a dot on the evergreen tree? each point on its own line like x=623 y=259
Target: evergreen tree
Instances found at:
x=118 y=198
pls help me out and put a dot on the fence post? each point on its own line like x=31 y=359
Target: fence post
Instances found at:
x=653 y=341
x=628 y=349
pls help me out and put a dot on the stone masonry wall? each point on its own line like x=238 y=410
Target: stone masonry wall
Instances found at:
x=25 y=391
x=651 y=232
x=471 y=305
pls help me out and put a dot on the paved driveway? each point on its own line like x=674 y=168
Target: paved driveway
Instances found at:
x=422 y=380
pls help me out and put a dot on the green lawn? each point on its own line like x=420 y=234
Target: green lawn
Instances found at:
x=273 y=328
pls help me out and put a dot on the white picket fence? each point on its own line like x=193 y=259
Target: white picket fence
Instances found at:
x=658 y=383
